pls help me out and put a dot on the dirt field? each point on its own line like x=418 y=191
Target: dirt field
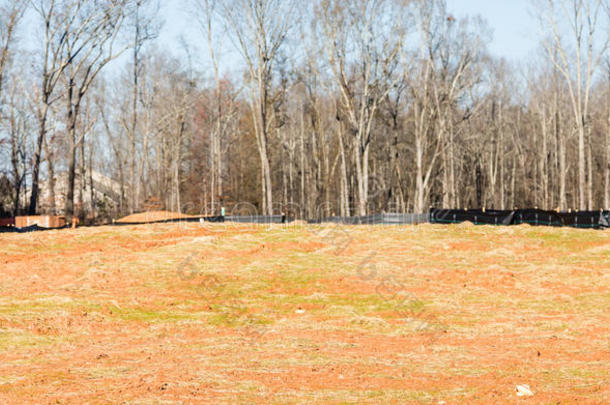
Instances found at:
x=152 y=216
x=180 y=313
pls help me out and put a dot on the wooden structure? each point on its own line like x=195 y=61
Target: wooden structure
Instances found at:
x=43 y=221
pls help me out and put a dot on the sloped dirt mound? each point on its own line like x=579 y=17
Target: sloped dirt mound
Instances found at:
x=152 y=216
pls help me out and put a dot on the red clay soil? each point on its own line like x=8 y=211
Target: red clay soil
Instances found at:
x=152 y=216
x=189 y=313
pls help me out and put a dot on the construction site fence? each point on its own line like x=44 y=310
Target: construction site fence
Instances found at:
x=27 y=229
x=534 y=217
x=246 y=219
x=377 y=219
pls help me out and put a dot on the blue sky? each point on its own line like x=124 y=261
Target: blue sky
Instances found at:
x=515 y=30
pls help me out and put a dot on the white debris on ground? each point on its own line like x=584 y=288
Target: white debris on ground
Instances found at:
x=524 y=391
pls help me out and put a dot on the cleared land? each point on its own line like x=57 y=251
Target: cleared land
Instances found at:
x=179 y=313
x=152 y=216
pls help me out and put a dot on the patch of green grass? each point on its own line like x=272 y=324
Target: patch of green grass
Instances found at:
x=96 y=237
x=212 y=289
x=237 y=316
x=103 y=372
x=282 y=235
x=153 y=316
x=46 y=246
x=44 y=304
x=372 y=303
x=339 y=396
x=584 y=303
x=297 y=275
x=11 y=339
x=560 y=375
x=337 y=305
x=563 y=237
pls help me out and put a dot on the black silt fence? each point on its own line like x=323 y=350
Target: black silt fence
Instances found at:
x=376 y=219
x=258 y=219
x=535 y=217
x=246 y=219
x=27 y=229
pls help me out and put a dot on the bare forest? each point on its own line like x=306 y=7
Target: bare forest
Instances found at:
x=327 y=107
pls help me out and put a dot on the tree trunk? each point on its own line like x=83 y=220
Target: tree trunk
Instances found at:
x=73 y=110
x=83 y=182
x=363 y=179
x=51 y=168
x=302 y=165
x=452 y=189
x=582 y=178
x=562 y=174
x=607 y=163
x=419 y=181
x=345 y=209
x=42 y=131
x=502 y=159
x=267 y=180
x=545 y=174
x=512 y=182
x=91 y=192
x=560 y=139
x=134 y=113
x=212 y=158
x=69 y=207
x=589 y=171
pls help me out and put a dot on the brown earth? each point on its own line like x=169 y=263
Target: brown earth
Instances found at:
x=228 y=313
x=152 y=216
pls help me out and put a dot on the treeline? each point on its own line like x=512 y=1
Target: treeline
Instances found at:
x=341 y=107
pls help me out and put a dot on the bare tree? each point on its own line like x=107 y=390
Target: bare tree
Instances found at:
x=606 y=164
x=577 y=57
x=15 y=119
x=16 y=124
x=52 y=20
x=260 y=28
x=440 y=76
x=145 y=28
x=104 y=103
x=223 y=113
x=358 y=116
x=91 y=40
x=368 y=37
x=11 y=12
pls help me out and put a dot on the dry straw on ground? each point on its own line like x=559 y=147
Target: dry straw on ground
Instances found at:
x=180 y=313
